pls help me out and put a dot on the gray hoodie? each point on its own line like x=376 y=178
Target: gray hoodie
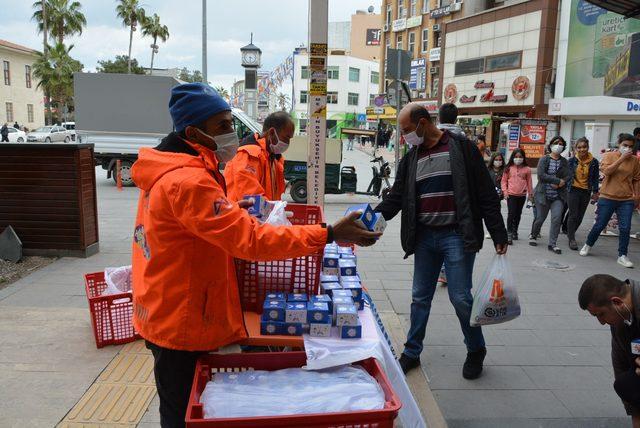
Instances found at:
x=454 y=129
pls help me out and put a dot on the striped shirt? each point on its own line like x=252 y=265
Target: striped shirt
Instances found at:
x=550 y=192
x=434 y=185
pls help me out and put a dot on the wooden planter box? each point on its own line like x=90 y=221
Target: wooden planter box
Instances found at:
x=48 y=195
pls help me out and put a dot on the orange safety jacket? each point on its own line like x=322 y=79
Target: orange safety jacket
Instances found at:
x=255 y=171
x=187 y=233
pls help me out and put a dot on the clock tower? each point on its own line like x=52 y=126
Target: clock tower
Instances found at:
x=251 y=62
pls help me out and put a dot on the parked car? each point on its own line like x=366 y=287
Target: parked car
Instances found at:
x=71 y=129
x=16 y=136
x=49 y=134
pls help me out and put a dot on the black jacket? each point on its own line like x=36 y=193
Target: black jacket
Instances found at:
x=474 y=192
x=565 y=173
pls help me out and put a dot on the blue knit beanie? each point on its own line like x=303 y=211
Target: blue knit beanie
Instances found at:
x=193 y=103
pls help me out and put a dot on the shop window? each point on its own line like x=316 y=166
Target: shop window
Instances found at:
x=503 y=62
x=623 y=126
x=471 y=66
x=352 y=99
x=332 y=98
x=333 y=73
x=304 y=97
x=354 y=74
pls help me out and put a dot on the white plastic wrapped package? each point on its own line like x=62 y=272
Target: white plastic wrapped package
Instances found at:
x=496 y=300
x=260 y=393
x=277 y=214
x=118 y=280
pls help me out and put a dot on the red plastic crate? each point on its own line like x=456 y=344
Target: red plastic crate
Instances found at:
x=220 y=363
x=110 y=315
x=298 y=275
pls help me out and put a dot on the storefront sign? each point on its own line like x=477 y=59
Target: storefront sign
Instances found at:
x=533 y=151
x=618 y=72
x=431 y=106
x=481 y=84
x=514 y=136
x=520 y=88
x=491 y=97
x=399 y=24
x=465 y=99
x=418 y=75
x=440 y=12
x=373 y=36
x=434 y=54
x=533 y=134
x=414 y=21
x=379 y=100
x=450 y=93
x=631 y=106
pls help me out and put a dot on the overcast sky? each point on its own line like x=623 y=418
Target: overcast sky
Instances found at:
x=278 y=26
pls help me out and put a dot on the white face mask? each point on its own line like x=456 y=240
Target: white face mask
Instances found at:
x=624 y=149
x=412 y=138
x=557 y=148
x=279 y=148
x=518 y=161
x=497 y=164
x=227 y=146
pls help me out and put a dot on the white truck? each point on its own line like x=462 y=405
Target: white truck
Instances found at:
x=120 y=113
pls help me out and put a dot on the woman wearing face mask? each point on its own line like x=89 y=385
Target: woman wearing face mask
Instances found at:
x=258 y=168
x=620 y=193
x=551 y=193
x=496 y=169
x=516 y=185
x=582 y=188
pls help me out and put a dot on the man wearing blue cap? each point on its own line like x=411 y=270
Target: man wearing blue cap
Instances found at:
x=187 y=232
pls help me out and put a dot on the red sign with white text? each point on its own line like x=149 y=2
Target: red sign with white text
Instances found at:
x=533 y=134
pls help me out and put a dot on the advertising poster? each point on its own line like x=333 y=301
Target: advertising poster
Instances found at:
x=514 y=134
x=603 y=56
x=533 y=134
x=533 y=151
x=373 y=36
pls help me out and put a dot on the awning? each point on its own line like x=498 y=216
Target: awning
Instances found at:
x=357 y=131
x=628 y=8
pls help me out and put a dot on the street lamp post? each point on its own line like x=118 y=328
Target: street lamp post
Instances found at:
x=251 y=62
x=204 y=42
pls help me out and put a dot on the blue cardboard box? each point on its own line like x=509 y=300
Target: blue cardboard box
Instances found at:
x=331 y=271
x=346 y=315
x=317 y=312
x=259 y=207
x=276 y=296
x=331 y=248
x=349 y=257
x=273 y=310
x=359 y=304
x=355 y=288
x=323 y=298
x=340 y=301
x=345 y=279
x=347 y=267
x=320 y=330
x=330 y=260
x=379 y=223
x=271 y=327
x=293 y=329
x=345 y=251
x=366 y=218
x=342 y=293
x=330 y=287
x=296 y=312
x=351 y=331
x=329 y=278
x=297 y=297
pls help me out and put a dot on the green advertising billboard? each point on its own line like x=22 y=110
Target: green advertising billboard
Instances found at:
x=603 y=54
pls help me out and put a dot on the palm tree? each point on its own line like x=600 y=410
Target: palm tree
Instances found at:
x=54 y=72
x=222 y=92
x=152 y=27
x=131 y=13
x=64 y=18
x=283 y=100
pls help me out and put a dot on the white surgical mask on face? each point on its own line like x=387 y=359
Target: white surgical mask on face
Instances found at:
x=227 y=146
x=557 y=148
x=412 y=139
x=279 y=148
x=497 y=164
x=517 y=161
x=624 y=149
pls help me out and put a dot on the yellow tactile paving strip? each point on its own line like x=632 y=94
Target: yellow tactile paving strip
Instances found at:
x=120 y=396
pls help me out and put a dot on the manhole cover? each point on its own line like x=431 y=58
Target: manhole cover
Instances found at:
x=549 y=264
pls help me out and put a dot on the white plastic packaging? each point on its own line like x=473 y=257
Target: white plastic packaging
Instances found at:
x=118 y=280
x=260 y=393
x=277 y=214
x=496 y=300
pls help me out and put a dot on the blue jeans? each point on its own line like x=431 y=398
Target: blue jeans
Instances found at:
x=606 y=208
x=434 y=246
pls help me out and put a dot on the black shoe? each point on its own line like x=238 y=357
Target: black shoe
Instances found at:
x=509 y=239
x=515 y=236
x=473 y=364
x=408 y=363
x=532 y=240
x=573 y=245
x=555 y=249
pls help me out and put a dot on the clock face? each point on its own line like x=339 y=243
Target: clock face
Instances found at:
x=251 y=58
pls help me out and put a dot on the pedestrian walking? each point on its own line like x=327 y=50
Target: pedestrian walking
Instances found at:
x=516 y=187
x=496 y=170
x=350 y=142
x=636 y=134
x=582 y=188
x=445 y=193
x=4 y=132
x=620 y=194
x=16 y=126
x=551 y=193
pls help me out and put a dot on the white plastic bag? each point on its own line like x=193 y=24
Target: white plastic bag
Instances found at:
x=277 y=214
x=496 y=300
x=261 y=393
x=118 y=280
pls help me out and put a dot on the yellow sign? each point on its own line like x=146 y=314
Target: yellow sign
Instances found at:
x=375 y=113
x=318 y=88
x=618 y=71
x=318 y=49
x=317 y=63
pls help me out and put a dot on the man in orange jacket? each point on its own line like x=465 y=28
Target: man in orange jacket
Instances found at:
x=187 y=233
x=258 y=168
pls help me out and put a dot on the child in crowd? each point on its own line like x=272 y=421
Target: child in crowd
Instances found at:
x=516 y=186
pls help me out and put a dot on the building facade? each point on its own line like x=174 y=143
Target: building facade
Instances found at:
x=351 y=85
x=597 y=93
x=20 y=99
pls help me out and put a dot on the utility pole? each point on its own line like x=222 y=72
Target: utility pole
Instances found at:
x=396 y=145
x=204 y=42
